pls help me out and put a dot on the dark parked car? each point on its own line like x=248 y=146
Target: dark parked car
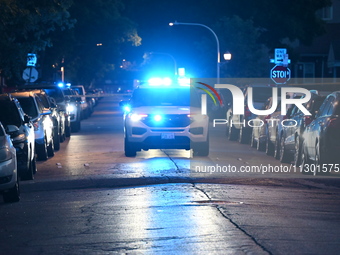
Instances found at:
x=292 y=136
x=322 y=136
x=56 y=92
x=42 y=122
x=22 y=135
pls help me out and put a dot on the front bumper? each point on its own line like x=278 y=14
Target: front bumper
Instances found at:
x=8 y=174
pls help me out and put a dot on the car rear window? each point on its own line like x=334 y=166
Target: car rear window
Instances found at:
x=9 y=114
x=28 y=105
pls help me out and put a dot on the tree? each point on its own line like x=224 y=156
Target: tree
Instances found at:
x=26 y=27
x=92 y=47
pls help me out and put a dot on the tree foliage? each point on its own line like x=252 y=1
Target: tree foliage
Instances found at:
x=26 y=27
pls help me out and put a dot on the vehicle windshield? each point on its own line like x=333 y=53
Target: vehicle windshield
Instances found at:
x=164 y=97
x=57 y=94
x=261 y=94
x=9 y=114
x=28 y=105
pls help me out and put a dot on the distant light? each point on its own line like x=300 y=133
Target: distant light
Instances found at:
x=181 y=72
x=99 y=44
x=155 y=81
x=68 y=84
x=127 y=108
x=167 y=81
x=158 y=118
x=227 y=56
x=171 y=24
x=160 y=81
x=70 y=108
x=60 y=84
x=184 y=81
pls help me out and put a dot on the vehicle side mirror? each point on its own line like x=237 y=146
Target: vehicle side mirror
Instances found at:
x=27 y=119
x=11 y=129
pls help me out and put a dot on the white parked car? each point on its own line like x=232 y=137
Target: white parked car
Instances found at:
x=9 y=180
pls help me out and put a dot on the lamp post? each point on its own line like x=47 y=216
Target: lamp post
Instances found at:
x=217 y=42
x=167 y=54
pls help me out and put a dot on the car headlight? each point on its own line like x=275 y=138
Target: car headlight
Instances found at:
x=70 y=108
x=5 y=154
x=137 y=117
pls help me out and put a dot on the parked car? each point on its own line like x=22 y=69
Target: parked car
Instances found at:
x=85 y=109
x=322 y=136
x=19 y=126
x=42 y=122
x=74 y=109
x=292 y=133
x=58 y=117
x=260 y=129
x=9 y=179
x=56 y=92
x=243 y=132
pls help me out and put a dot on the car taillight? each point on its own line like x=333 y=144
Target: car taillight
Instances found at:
x=307 y=120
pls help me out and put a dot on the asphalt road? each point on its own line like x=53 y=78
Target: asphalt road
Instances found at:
x=90 y=199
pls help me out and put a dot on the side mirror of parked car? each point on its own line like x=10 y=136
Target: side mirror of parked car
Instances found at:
x=11 y=129
x=27 y=119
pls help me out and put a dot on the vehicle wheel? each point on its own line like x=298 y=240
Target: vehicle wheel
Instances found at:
x=50 y=149
x=253 y=143
x=320 y=162
x=56 y=141
x=34 y=165
x=244 y=136
x=129 y=149
x=305 y=163
x=62 y=135
x=284 y=157
x=13 y=194
x=232 y=134
x=201 y=149
x=68 y=131
x=29 y=174
x=277 y=147
x=41 y=150
x=297 y=152
x=269 y=147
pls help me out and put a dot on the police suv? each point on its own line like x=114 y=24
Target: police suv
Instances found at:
x=161 y=115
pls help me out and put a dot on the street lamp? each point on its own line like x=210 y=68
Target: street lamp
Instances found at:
x=217 y=42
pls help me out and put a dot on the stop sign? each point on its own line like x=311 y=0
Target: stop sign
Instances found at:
x=280 y=74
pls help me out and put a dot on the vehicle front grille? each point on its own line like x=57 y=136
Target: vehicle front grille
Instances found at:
x=168 y=120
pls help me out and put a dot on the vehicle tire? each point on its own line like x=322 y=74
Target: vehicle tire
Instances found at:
x=129 y=149
x=253 y=143
x=68 y=131
x=201 y=149
x=232 y=134
x=284 y=157
x=244 y=136
x=297 y=152
x=305 y=163
x=13 y=194
x=41 y=150
x=29 y=174
x=50 y=149
x=56 y=141
x=62 y=135
x=269 y=147
x=277 y=147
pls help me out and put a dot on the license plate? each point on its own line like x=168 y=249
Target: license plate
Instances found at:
x=167 y=136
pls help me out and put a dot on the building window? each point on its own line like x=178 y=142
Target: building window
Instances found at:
x=326 y=13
